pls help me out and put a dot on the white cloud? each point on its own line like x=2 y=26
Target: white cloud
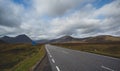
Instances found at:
x=56 y=7
x=83 y=18
x=110 y=10
x=86 y=22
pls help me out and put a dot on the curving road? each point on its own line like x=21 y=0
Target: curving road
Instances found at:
x=62 y=59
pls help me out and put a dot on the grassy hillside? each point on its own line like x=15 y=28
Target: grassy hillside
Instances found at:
x=107 y=49
x=19 y=57
x=102 y=39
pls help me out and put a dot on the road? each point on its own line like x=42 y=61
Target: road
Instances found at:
x=62 y=59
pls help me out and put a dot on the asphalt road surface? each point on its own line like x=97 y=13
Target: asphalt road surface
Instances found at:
x=62 y=59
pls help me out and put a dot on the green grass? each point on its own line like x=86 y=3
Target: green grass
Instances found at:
x=112 y=50
x=19 y=57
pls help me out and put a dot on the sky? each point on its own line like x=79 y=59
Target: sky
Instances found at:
x=49 y=19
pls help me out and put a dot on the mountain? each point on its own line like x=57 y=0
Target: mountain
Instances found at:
x=42 y=41
x=96 y=39
x=1 y=41
x=18 y=39
x=65 y=39
x=102 y=38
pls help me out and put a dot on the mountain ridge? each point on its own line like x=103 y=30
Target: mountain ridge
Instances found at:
x=18 y=39
x=95 y=39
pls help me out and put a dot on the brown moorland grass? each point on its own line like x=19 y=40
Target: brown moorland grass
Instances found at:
x=14 y=56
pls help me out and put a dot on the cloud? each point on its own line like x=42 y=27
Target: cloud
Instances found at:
x=56 y=7
x=51 y=19
x=78 y=20
x=87 y=23
x=110 y=10
x=10 y=18
x=10 y=14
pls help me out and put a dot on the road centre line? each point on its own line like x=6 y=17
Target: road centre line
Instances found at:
x=50 y=56
x=48 y=51
x=107 y=68
x=57 y=68
x=53 y=60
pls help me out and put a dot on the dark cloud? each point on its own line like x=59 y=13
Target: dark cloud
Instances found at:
x=8 y=17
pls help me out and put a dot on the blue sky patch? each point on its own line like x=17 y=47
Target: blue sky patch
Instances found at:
x=100 y=3
x=22 y=2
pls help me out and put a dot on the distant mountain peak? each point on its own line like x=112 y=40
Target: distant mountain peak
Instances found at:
x=5 y=37
x=18 y=39
x=22 y=36
x=67 y=37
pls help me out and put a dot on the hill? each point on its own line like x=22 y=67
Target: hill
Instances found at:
x=102 y=39
x=1 y=41
x=18 y=39
x=95 y=39
x=66 y=39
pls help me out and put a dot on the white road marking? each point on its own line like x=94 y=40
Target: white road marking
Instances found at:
x=50 y=55
x=107 y=68
x=48 y=51
x=57 y=68
x=53 y=60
